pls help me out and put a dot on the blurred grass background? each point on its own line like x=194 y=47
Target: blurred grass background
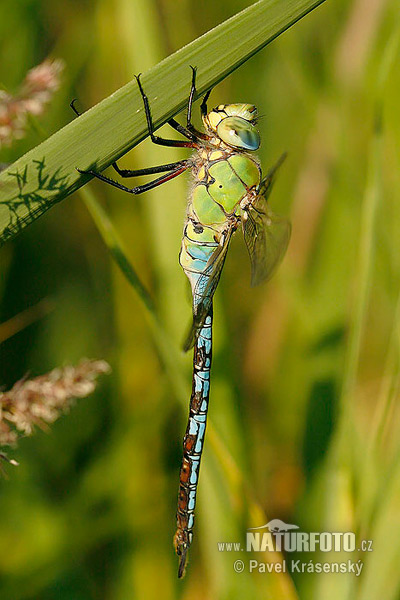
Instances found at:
x=306 y=369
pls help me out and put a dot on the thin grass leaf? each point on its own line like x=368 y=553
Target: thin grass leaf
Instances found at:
x=47 y=174
x=116 y=249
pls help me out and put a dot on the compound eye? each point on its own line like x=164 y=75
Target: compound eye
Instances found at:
x=239 y=133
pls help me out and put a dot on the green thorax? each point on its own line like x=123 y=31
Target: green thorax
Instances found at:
x=222 y=178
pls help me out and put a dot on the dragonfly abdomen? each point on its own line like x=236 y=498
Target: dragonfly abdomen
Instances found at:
x=198 y=244
x=193 y=442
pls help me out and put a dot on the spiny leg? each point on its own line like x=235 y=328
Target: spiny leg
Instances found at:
x=156 y=139
x=177 y=126
x=188 y=131
x=203 y=106
x=72 y=105
x=140 y=188
x=136 y=172
x=181 y=129
x=174 y=124
x=189 y=125
x=191 y=96
x=151 y=170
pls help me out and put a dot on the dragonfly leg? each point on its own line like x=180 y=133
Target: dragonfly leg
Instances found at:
x=72 y=105
x=191 y=96
x=151 y=170
x=137 y=172
x=203 y=106
x=190 y=127
x=189 y=131
x=140 y=188
x=154 y=138
x=182 y=130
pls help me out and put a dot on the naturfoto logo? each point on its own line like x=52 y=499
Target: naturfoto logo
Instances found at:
x=276 y=535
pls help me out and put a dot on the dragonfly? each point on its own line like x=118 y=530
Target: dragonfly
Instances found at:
x=228 y=190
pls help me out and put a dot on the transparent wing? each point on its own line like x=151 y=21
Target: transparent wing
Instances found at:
x=205 y=289
x=266 y=235
x=267 y=238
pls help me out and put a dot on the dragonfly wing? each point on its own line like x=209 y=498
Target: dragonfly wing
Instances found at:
x=267 y=237
x=268 y=181
x=205 y=288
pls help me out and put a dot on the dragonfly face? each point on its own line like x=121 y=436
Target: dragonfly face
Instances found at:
x=234 y=124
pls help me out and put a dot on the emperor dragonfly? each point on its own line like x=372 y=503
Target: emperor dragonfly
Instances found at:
x=228 y=189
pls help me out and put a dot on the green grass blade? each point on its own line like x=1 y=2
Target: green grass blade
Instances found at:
x=47 y=174
x=116 y=249
x=170 y=356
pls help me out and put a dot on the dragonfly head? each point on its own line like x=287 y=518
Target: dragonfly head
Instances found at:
x=234 y=124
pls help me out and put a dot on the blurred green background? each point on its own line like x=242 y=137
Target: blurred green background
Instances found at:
x=304 y=421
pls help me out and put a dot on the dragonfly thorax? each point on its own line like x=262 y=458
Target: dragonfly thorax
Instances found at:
x=234 y=125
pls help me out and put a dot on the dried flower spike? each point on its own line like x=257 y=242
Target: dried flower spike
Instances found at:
x=41 y=400
x=35 y=92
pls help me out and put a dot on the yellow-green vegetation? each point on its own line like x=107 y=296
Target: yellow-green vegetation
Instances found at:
x=305 y=381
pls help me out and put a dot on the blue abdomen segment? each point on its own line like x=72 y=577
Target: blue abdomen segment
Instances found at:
x=195 y=254
x=193 y=442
